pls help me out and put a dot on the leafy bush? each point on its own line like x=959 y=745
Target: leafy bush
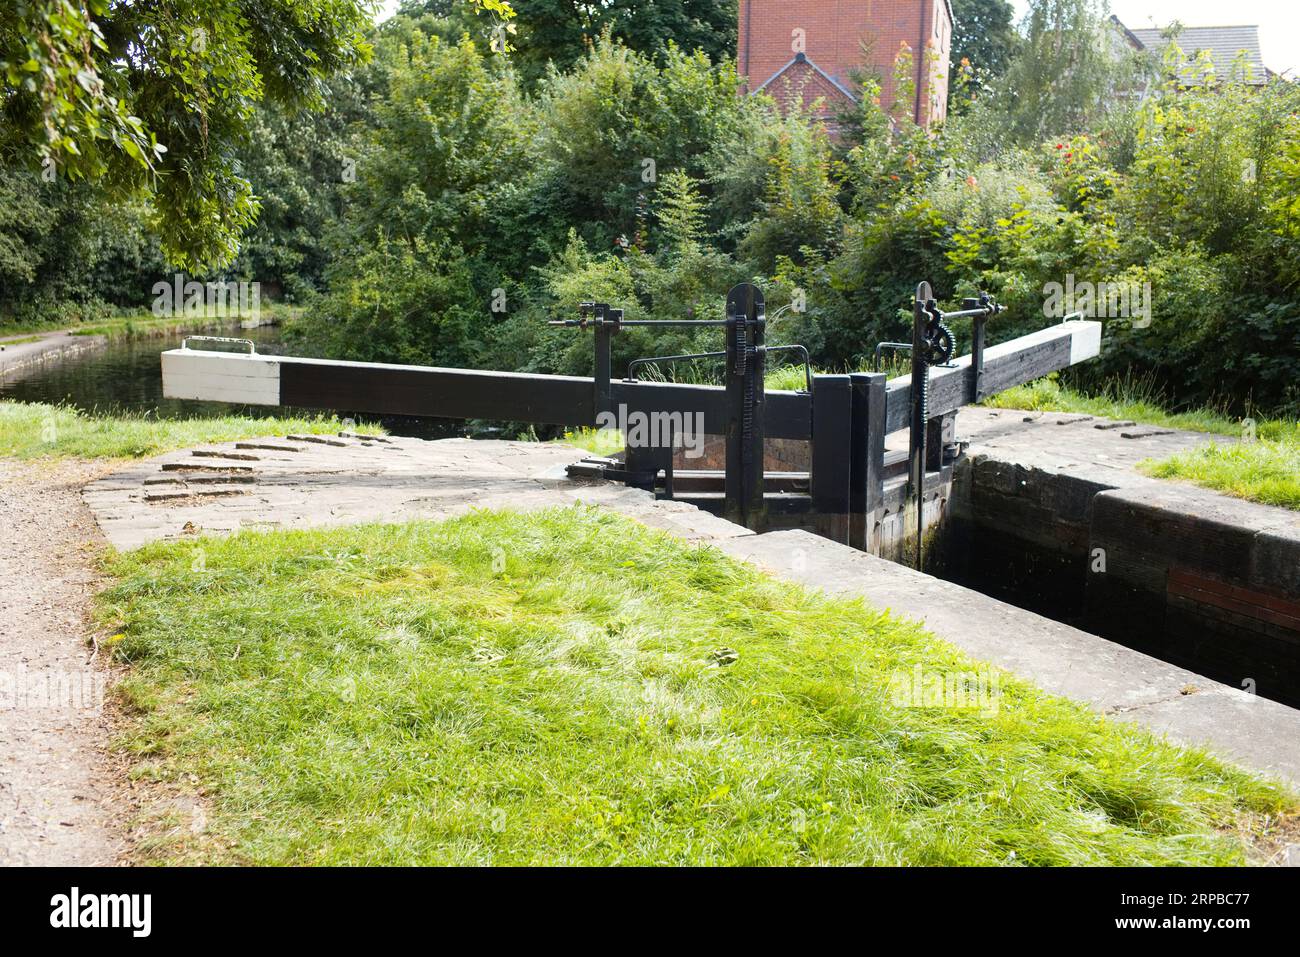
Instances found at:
x=67 y=255
x=400 y=302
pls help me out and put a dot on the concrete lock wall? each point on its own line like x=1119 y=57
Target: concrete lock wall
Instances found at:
x=1197 y=579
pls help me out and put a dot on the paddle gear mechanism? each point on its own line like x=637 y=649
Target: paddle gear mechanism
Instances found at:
x=933 y=344
x=937 y=342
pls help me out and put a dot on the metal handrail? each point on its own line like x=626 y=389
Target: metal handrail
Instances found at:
x=637 y=363
x=807 y=361
x=882 y=346
x=252 y=346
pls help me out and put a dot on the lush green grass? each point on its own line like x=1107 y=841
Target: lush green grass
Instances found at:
x=144 y=324
x=787 y=378
x=595 y=441
x=571 y=687
x=35 y=430
x=1263 y=471
x=1120 y=400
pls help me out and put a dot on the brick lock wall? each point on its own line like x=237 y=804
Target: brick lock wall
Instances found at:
x=835 y=32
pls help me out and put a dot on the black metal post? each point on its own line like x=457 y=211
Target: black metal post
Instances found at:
x=746 y=321
x=920 y=411
x=934 y=429
x=604 y=367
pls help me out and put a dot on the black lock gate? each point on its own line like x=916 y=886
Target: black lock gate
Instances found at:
x=851 y=485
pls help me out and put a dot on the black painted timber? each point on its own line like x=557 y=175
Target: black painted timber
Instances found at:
x=382 y=389
x=866 y=452
x=786 y=415
x=831 y=453
x=954 y=387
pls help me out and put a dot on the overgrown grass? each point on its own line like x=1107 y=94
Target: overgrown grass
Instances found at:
x=792 y=378
x=786 y=378
x=1122 y=399
x=569 y=687
x=31 y=430
x=145 y=325
x=1263 y=471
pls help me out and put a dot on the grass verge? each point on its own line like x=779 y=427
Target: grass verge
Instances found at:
x=1262 y=471
x=569 y=687
x=595 y=441
x=30 y=430
x=1120 y=400
x=1264 y=468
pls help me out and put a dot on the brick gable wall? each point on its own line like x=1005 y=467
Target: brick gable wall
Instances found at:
x=840 y=36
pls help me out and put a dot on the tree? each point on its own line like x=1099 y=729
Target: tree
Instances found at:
x=984 y=36
x=618 y=118
x=65 y=252
x=154 y=98
x=299 y=162
x=560 y=31
x=450 y=130
x=681 y=213
x=708 y=25
x=1065 y=78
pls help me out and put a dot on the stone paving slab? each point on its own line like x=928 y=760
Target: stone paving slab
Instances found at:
x=1085 y=447
x=353 y=479
x=1186 y=707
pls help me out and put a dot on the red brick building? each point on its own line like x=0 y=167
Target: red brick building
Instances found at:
x=811 y=49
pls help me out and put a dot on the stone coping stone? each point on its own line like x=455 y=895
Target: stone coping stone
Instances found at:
x=16 y=356
x=1179 y=525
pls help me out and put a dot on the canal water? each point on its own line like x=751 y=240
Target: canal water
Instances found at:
x=126 y=375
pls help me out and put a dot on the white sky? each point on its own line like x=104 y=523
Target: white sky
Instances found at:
x=1278 y=21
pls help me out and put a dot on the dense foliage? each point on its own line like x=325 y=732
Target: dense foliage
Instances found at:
x=983 y=33
x=154 y=98
x=460 y=189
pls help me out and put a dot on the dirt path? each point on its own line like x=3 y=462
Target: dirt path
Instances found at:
x=55 y=775
x=19 y=353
